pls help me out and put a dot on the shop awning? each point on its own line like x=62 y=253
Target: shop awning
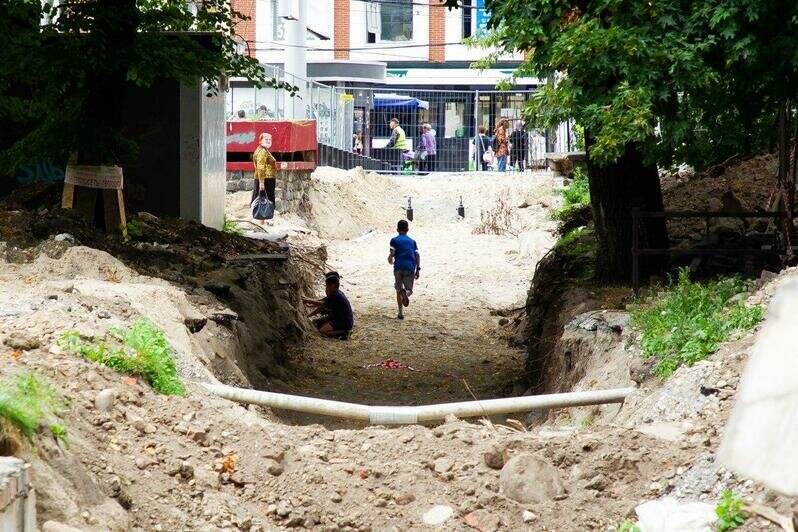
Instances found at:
x=396 y=101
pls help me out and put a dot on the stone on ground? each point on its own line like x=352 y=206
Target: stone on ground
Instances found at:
x=528 y=479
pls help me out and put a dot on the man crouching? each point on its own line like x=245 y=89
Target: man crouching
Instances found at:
x=336 y=319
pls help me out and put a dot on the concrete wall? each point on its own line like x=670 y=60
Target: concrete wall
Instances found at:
x=291 y=193
x=17 y=498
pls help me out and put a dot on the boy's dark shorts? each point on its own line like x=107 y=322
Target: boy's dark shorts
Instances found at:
x=404 y=279
x=336 y=325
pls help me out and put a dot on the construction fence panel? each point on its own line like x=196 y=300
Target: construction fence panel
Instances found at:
x=455 y=117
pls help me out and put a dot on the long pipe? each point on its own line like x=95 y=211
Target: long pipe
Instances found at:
x=403 y=415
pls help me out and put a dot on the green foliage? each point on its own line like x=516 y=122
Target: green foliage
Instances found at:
x=27 y=403
x=667 y=76
x=575 y=196
x=729 y=511
x=687 y=321
x=230 y=226
x=133 y=228
x=62 y=68
x=628 y=526
x=141 y=351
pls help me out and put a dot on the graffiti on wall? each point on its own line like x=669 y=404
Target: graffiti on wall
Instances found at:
x=39 y=172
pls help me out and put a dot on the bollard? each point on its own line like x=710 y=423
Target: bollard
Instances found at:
x=461 y=209
x=409 y=210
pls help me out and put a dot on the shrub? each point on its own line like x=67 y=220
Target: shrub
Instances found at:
x=26 y=403
x=688 y=320
x=141 y=351
x=576 y=196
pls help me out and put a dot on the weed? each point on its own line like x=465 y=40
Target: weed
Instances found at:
x=729 y=511
x=688 y=320
x=141 y=351
x=59 y=432
x=499 y=220
x=628 y=526
x=133 y=229
x=26 y=403
x=230 y=226
x=588 y=420
x=576 y=196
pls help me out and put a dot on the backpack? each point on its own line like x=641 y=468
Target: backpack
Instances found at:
x=488 y=155
x=262 y=208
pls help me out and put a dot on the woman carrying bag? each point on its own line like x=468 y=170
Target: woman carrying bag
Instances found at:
x=265 y=180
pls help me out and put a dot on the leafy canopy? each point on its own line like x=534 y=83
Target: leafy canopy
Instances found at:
x=53 y=56
x=692 y=81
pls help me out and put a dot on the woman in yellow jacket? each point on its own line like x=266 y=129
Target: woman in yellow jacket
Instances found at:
x=265 y=168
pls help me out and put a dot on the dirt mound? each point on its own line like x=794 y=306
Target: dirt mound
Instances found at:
x=750 y=182
x=346 y=204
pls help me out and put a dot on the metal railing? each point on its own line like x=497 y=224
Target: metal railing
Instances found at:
x=637 y=251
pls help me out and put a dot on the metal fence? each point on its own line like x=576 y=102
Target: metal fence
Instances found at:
x=456 y=118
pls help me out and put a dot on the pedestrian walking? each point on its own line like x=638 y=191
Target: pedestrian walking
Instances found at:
x=428 y=151
x=519 y=146
x=500 y=144
x=406 y=262
x=484 y=151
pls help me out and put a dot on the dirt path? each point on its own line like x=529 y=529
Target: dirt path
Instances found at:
x=448 y=337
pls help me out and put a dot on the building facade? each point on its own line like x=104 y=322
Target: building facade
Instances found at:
x=394 y=43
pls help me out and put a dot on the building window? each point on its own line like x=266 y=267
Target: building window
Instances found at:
x=466 y=8
x=278 y=23
x=395 y=20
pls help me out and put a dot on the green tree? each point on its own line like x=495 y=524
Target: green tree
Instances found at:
x=64 y=68
x=662 y=82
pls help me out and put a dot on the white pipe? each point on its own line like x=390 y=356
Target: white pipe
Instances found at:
x=401 y=415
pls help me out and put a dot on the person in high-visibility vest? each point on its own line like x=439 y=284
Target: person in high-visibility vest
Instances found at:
x=398 y=138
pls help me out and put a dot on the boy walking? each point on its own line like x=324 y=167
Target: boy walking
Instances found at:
x=406 y=265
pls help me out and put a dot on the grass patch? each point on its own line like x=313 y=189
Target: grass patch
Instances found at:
x=230 y=226
x=688 y=321
x=26 y=404
x=141 y=351
x=628 y=526
x=576 y=196
x=729 y=511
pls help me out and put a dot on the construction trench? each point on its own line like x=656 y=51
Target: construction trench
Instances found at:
x=232 y=314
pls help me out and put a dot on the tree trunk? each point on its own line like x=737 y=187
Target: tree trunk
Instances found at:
x=615 y=190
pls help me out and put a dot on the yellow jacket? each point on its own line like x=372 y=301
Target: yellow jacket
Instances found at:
x=265 y=164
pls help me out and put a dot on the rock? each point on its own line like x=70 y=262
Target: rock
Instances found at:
x=195 y=325
x=494 y=457
x=22 y=341
x=598 y=483
x=55 y=526
x=283 y=509
x=503 y=322
x=147 y=217
x=275 y=469
x=528 y=479
x=528 y=516
x=642 y=368
x=336 y=497
x=206 y=478
x=64 y=237
x=404 y=499
x=186 y=471
x=483 y=520
x=437 y=515
x=104 y=401
x=670 y=515
x=442 y=465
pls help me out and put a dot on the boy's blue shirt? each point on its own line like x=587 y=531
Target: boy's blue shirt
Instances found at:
x=404 y=249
